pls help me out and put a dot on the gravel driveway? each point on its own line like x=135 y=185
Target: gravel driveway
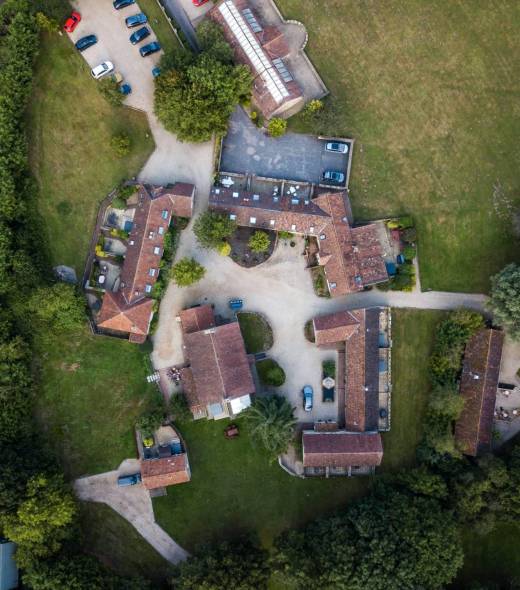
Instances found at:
x=172 y=160
x=281 y=289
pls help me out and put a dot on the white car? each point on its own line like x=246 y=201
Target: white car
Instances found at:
x=102 y=70
x=336 y=146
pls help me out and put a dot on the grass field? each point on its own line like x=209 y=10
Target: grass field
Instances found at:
x=429 y=91
x=235 y=488
x=70 y=126
x=92 y=389
x=160 y=25
x=117 y=544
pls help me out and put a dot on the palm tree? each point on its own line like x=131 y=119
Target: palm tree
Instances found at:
x=272 y=421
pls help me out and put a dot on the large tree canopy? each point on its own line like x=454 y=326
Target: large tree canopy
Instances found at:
x=195 y=96
x=505 y=299
x=388 y=541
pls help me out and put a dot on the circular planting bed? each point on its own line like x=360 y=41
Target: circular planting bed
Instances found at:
x=241 y=251
x=256 y=331
x=270 y=373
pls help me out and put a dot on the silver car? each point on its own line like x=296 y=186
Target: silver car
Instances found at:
x=102 y=70
x=336 y=146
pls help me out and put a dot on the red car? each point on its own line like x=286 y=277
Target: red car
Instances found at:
x=72 y=22
x=199 y=2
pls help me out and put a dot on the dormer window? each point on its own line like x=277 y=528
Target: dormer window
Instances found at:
x=232 y=216
x=164 y=214
x=217 y=191
x=271 y=222
x=151 y=272
x=235 y=195
x=322 y=236
x=275 y=199
x=294 y=201
x=252 y=220
x=256 y=197
x=160 y=231
x=157 y=250
x=332 y=285
x=131 y=243
x=151 y=235
x=293 y=227
x=311 y=229
x=148 y=288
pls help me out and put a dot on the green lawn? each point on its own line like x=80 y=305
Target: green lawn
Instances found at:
x=117 y=544
x=256 y=331
x=264 y=367
x=160 y=25
x=430 y=93
x=413 y=334
x=92 y=389
x=493 y=558
x=70 y=126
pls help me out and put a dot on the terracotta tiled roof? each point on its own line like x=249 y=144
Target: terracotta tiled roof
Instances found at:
x=342 y=449
x=278 y=213
x=478 y=386
x=271 y=97
x=118 y=316
x=197 y=318
x=335 y=327
x=218 y=364
x=167 y=471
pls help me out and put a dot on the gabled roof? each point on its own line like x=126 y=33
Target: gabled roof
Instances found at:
x=197 y=318
x=119 y=316
x=219 y=369
x=341 y=449
x=478 y=387
x=335 y=327
x=166 y=471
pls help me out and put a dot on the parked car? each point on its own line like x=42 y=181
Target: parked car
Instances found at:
x=152 y=47
x=199 y=2
x=156 y=72
x=135 y=20
x=139 y=35
x=118 y=4
x=102 y=70
x=334 y=176
x=128 y=480
x=307 y=398
x=125 y=89
x=336 y=146
x=72 y=22
x=86 y=42
x=235 y=304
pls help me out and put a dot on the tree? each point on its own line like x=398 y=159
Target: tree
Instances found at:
x=179 y=407
x=109 y=89
x=149 y=422
x=505 y=299
x=212 y=41
x=42 y=520
x=271 y=421
x=187 y=271
x=389 y=540
x=57 y=308
x=259 y=241
x=241 y=565
x=196 y=99
x=275 y=376
x=277 y=127
x=211 y=229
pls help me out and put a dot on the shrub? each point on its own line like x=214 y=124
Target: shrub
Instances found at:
x=224 y=249
x=118 y=203
x=211 y=229
x=405 y=222
x=126 y=191
x=409 y=235
x=277 y=127
x=259 y=241
x=178 y=406
x=313 y=107
x=148 y=423
x=46 y=24
x=404 y=280
x=329 y=369
x=110 y=90
x=285 y=235
x=270 y=373
x=187 y=271
x=409 y=253
x=505 y=299
x=120 y=144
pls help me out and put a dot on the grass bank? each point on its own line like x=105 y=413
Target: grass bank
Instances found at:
x=429 y=92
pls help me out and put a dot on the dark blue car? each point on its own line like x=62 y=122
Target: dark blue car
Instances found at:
x=152 y=47
x=86 y=42
x=139 y=35
x=118 y=4
x=135 y=20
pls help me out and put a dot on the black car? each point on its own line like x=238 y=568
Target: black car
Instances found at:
x=118 y=4
x=86 y=42
x=135 y=20
x=152 y=47
x=139 y=35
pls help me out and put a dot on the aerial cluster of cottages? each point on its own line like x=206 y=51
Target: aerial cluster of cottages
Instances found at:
x=217 y=376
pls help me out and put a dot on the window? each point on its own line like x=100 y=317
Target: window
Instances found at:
x=256 y=197
x=275 y=199
x=217 y=191
x=151 y=235
x=164 y=214
x=252 y=220
x=333 y=285
x=161 y=231
x=293 y=227
x=148 y=288
x=235 y=195
x=131 y=242
x=311 y=229
x=271 y=222
x=232 y=216
x=294 y=201
x=156 y=250
x=151 y=272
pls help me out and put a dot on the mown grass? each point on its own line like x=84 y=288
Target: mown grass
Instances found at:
x=430 y=93
x=70 y=127
x=116 y=543
x=256 y=331
x=160 y=25
x=92 y=389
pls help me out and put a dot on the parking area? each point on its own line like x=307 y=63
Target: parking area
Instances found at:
x=247 y=150
x=99 y=17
